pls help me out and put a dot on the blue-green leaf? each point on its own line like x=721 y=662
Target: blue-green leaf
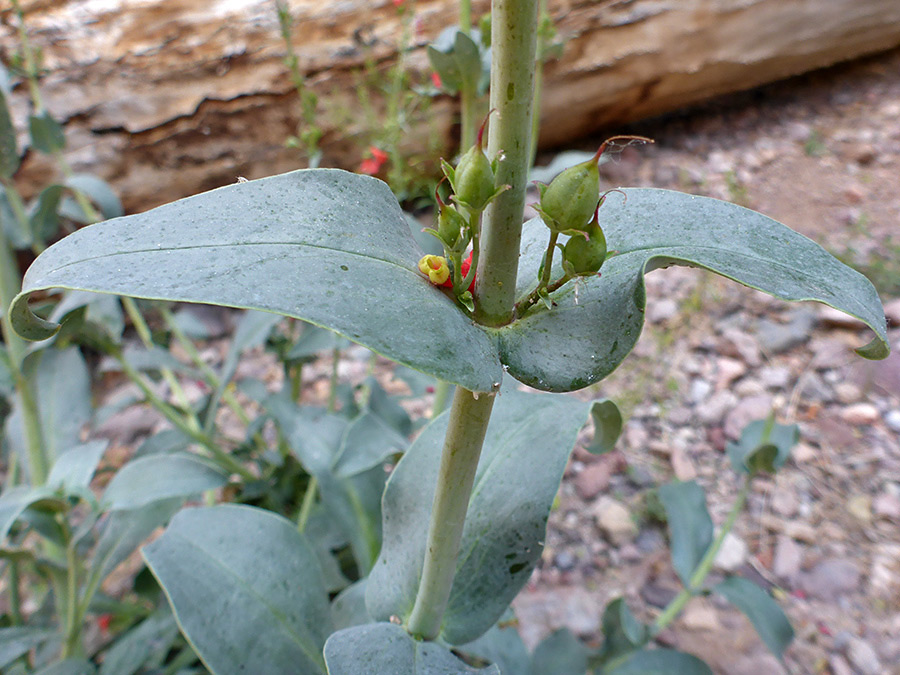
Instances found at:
x=502 y=645
x=46 y=133
x=98 y=191
x=690 y=527
x=596 y=322
x=764 y=613
x=348 y=609
x=44 y=217
x=69 y=667
x=246 y=590
x=16 y=641
x=660 y=662
x=368 y=442
x=16 y=499
x=323 y=245
x=622 y=632
x=559 y=653
x=75 y=468
x=764 y=446
x=157 y=477
x=150 y=640
x=607 y=426
x=386 y=649
x=527 y=445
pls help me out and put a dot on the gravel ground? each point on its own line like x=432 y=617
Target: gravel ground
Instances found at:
x=820 y=153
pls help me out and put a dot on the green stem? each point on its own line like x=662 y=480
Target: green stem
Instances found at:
x=514 y=26
x=703 y=568
x=442 y=391
x=176 y=419
x=475 y=229
x=538 y=85
x=211 y=377
x=548 y=260
x=465 y=17
x=71 y=643
x=15 y=347
x=309 y=500
x=469 y=417
x=15 y=598
x=31 y=70
x=186 y=657
x=468 y=110
x=333 y=381
x=513 y=38
x=524 y=305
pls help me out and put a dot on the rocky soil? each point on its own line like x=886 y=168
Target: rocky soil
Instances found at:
x=820 y=153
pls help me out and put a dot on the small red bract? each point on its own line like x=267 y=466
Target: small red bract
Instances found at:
x=436 y=80
x=372 y=165
x=464 y=270
x=103 y=622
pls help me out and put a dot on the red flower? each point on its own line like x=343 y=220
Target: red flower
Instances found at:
x=372 y=164
x=398 y=3
x=464 y=269
x=103 y=622
x=436 y=80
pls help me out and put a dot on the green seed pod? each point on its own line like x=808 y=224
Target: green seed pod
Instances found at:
x=473 y=180
x=586 y=255
x=569 y=202
x=450 y=224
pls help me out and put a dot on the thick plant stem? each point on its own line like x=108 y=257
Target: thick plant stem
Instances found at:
x=469 y=417
x=513 y=39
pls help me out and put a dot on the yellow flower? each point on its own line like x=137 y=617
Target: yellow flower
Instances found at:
x=435 y=268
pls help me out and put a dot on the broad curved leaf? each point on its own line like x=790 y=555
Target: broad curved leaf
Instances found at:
x=528 y=442
x=386 y=649
x=658 y=661
x=764 y=613
x=323 y=245
x=591 y=330
x=690 y=527
x=156 y=477
x=246 y=590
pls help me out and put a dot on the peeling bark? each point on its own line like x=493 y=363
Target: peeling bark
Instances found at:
x=167 y=98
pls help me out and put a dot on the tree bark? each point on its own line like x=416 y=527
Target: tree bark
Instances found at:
x=171 y=97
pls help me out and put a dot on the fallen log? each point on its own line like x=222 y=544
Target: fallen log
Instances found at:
x=167 y=98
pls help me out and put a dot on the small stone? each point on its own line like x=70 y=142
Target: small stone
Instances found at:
x=614 y=520
x=830 y=579
x=785 y=503
x=892 y=312
x=728 y=371
x=748 y=410
x=775 y=377
x=700 y=389
x=776 y=338
x=594 y=479
x=803 y=452
x=833 y=317
x=813 y=388
x=892 y=419
x=887 y=505
x=839 y=666
x=732 y=555
x=661 y=310
x=860 y=414
x=713 y=410
x=847 y=392
x=650 y=540
x=657 y=595
x=564 y=561
x=682 y=464
x=860 y=507
x=788 y=558
x=863 y=657
x=738 y=344
x=754 y=664
x=701 y=615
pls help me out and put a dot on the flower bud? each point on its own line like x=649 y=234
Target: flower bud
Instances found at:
x=450 y=224
x=569 y=202
x=586 y=253
x=473 y=179
x=435 y=268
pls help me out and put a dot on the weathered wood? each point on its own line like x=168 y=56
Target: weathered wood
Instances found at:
x=165 y=98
